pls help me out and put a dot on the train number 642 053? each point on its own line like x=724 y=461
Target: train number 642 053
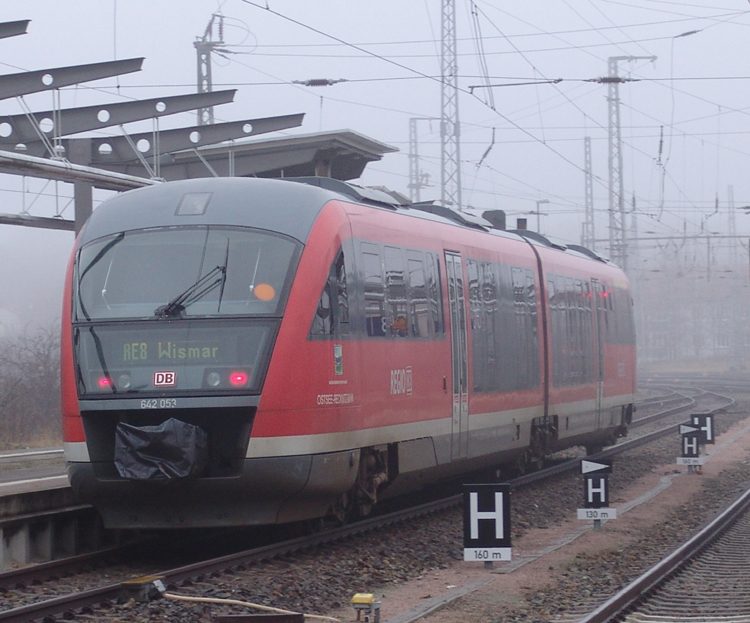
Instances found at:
x=160 y=403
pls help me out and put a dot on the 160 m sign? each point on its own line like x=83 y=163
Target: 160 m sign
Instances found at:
x=487 y=523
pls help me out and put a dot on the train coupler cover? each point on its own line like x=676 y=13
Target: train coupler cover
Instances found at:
x=173 y=450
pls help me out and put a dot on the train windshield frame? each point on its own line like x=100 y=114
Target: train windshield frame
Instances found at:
x=172 y=273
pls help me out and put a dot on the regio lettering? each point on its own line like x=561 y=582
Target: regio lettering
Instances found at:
x=401 y=381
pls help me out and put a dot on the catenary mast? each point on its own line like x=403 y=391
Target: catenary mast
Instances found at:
x=449 y=124
x=618 y=246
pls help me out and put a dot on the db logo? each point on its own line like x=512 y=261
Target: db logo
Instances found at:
x=165 y=379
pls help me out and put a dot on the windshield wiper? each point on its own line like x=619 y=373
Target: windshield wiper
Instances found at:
x=102 y=252
x=198 y=290
x=224 y=280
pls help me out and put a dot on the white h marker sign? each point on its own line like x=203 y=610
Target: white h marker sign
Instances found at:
x=592 y=490
x=482 y=543
x=689 y=445
x=706 y=424
x=475 y=514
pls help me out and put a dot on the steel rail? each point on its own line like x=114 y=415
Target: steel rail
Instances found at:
x=662 y=414
x=633 y=592
x=62 y=605
x=44 y=570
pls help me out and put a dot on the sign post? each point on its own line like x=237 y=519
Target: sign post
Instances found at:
x=487 y=523
x=596 y=492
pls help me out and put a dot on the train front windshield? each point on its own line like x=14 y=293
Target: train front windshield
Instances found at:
x=179 y=309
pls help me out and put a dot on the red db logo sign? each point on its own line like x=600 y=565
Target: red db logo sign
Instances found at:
x=165 y=379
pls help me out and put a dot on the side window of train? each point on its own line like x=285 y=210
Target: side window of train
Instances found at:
x=322 y=324
x=603 y=311
x=395 y=282
x=530 y=289
x=435 y=294
x=610 y=317
x=485 y=327
x=375 y=319
x=419 y=309
x=568 y=333
x=627 y=309
x=475 y=302
x=504 y=332
x=332 y=313
x=478 y=325
x=623 y=312
x=342 y=294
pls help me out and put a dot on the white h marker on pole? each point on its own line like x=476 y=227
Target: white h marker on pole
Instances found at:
x=706 y=428
x=601 y=489
x=475 y=514
x=690 y=445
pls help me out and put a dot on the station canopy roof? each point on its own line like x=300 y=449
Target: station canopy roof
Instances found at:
x=341 y=154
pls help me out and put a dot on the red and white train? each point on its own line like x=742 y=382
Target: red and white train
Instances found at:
x=254 y=351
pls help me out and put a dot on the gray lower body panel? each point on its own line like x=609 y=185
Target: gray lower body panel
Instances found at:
x=269 y=491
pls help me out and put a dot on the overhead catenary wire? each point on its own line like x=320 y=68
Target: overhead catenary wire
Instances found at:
x=545 y=127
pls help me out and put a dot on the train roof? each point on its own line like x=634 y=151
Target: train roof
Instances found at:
x=384 y=198
x=269 y=204
x=289 y=206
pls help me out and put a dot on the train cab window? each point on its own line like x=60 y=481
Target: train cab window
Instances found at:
x=332 y=313
x=398 y=321
x=183 y=272
x=375 y=319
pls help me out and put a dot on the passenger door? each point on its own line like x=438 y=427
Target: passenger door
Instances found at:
x=459 y=355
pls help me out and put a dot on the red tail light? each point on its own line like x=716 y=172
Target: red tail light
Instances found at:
x=238 y=379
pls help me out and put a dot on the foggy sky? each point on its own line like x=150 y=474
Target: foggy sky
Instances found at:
x=392 y=70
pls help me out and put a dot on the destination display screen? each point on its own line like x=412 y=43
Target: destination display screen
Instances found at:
x=181 y=355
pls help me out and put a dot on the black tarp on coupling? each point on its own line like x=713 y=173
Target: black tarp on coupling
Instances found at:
x=172 y=450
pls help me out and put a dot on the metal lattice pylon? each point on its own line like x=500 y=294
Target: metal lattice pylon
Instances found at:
x=588 y=239
x=204 y=47
x=618 y=245
x=450 y=131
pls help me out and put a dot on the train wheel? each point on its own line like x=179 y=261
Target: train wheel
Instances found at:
x=534 y=456
x=341 y=512
x=527 y=462
x=364 y=508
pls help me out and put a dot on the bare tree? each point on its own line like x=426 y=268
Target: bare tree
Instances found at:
x=30 y=388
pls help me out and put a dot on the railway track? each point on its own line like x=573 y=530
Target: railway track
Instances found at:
x=707 y=579
x=106 y=596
